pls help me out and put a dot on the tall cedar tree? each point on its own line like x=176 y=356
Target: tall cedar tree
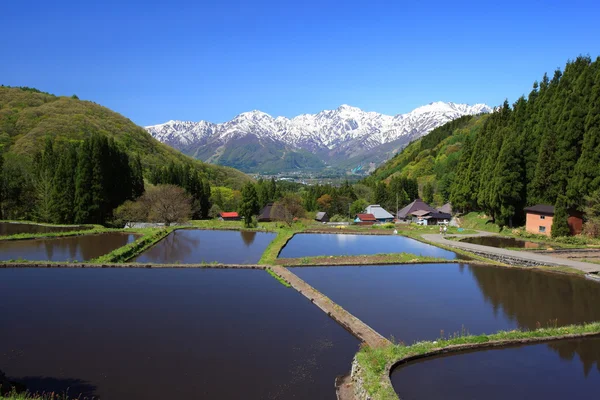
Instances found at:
x=249 y=206
x=63 y=193
x=560 y=223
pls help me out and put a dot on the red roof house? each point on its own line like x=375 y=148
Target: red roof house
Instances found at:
x=229 y=216
x=365 y=219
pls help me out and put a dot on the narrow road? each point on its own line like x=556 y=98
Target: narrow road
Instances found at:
x=542 y=259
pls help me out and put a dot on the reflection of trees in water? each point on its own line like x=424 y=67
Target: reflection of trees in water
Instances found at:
x=529 y=298
x=175 y=247
x=534 y=298
x=248 y=237
x=588 y=351
x=83 y=248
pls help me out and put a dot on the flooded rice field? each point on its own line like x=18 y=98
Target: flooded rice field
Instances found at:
x=313 y=244
x=196 y=246
x=503 y=242
x=157 y=334
x=425 y=301
x=10 y=228
x=557 y=370
x=80 y=248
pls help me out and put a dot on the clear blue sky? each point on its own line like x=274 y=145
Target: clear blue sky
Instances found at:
x=159 y=60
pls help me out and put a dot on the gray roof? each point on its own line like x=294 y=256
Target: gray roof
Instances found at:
x=378 y=212
x=320 y=215
x=416 y=205
x=541 y=209
x=446 y=208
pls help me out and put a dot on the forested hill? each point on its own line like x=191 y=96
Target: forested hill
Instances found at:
x=28 y=116
x=545 y=148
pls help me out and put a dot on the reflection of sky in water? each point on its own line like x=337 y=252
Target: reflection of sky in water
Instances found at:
x=312 y=245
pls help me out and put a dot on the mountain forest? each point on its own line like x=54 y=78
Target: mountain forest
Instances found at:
x=545 y=148
x=64 y=160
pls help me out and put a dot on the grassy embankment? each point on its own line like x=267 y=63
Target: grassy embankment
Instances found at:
x=375 y=362
x=29 y=396
x=375 y=259
x=482 y=222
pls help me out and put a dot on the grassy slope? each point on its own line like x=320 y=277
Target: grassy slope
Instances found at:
x=431 y=156
x=26 y=117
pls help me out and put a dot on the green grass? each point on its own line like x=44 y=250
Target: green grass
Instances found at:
x=278 y=278
x=374 y=362
x=369 y=259
x=272 y=251
x=150 y=237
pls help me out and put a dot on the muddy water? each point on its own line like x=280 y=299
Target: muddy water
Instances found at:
x=503 y=242
x=9 y=228
x=312 y=244
x=168 y=334
x=560 y=370
x=418 y=302
x=197 y=246
x=80 y=248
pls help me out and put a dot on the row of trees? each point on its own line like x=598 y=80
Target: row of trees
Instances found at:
x=543 y=149
x=70 y=182
x=188 y=178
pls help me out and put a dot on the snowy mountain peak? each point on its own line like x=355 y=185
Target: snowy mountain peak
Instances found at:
x=345 y=129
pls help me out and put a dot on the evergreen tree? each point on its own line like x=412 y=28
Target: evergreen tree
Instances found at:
x=560 y=224
x=380 y=193
x=63 y=191
x=205 y=199
x=249 y=206
x=45 y=166
x=428 y=193
x=137 y=177
x=83 y=183
x=508 y=181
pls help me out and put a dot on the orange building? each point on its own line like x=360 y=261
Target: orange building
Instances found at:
x=539 y=220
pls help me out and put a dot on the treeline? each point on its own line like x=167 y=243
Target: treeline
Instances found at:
x=188 y=178
x=70 y=182
x=543 y=149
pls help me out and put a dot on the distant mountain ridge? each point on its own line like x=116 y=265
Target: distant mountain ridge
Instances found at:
x=345 y=137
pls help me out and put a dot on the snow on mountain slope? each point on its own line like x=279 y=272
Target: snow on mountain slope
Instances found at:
x=328 y=131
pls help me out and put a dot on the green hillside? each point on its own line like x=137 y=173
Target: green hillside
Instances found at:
x=432 y=158
x=543 y=149
x=27 y=116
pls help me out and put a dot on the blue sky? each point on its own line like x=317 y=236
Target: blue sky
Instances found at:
x=159 y=60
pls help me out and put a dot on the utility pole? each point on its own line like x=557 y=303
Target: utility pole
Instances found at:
x=397 y=205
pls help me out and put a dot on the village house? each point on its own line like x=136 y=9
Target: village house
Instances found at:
x=322 y=217
x=229 y=216
x=270 y=213
x=540 y=216
x=379 y=213
x=365 y=219
x=420 y=212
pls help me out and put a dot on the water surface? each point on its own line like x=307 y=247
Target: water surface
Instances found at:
x=168 y=334
x=419 y=302
x=10 y=228
x=559 y=370
x=503 y=242
x=80 y=248
x=194 y=246
x=316 y=244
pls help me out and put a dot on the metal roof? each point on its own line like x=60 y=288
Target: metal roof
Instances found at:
x=366 y=217
x=541 y=209
x=378 y=212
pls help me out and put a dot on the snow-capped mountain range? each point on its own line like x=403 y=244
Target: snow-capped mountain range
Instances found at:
x=256 y=142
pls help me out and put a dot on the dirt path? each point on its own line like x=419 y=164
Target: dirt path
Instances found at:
x=540 y=259
x=362 y=331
